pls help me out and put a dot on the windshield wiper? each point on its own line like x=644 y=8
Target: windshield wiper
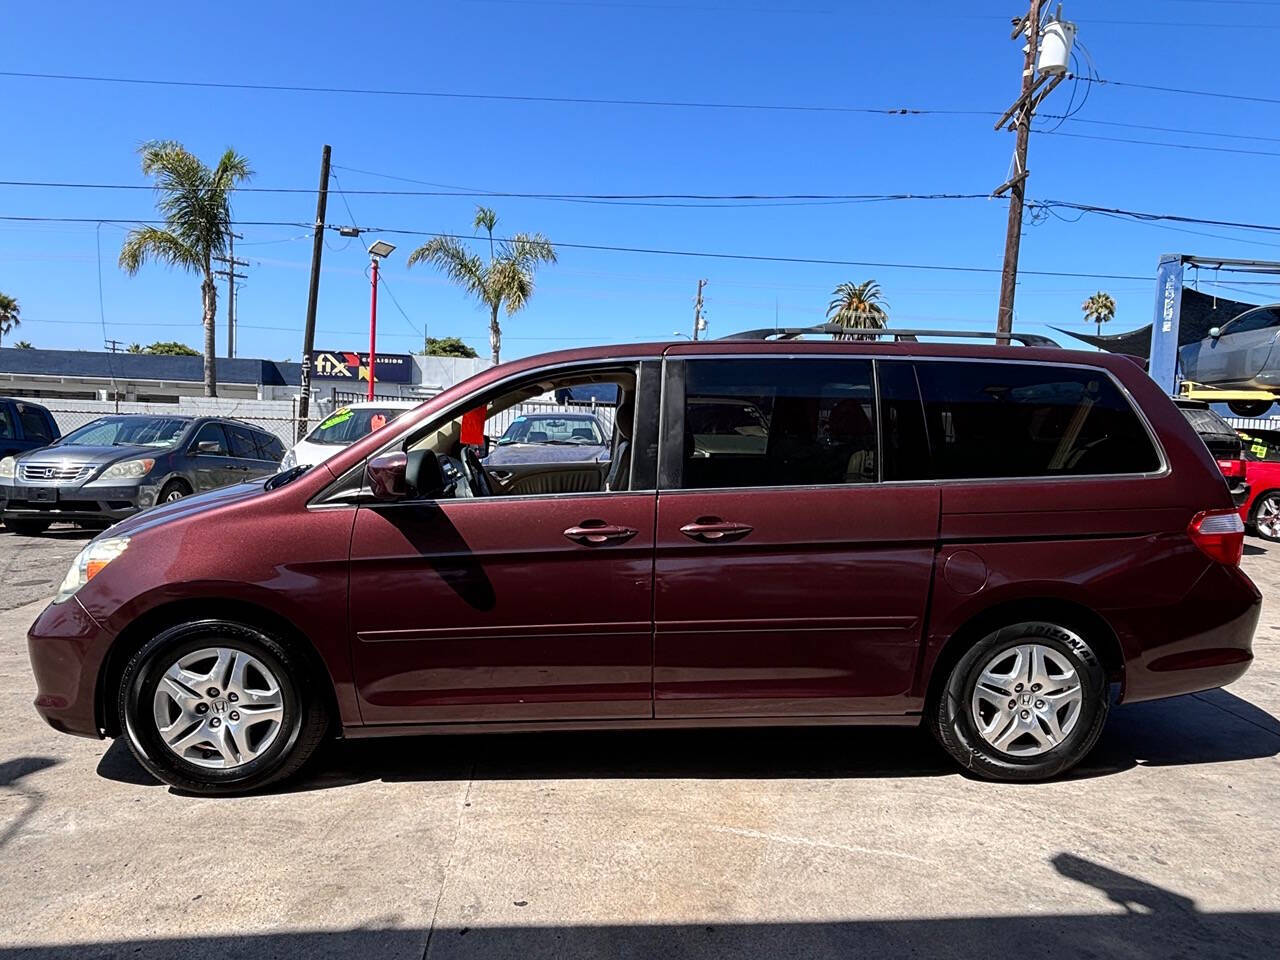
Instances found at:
x=286 y=476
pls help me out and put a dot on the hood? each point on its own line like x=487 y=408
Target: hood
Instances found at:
x=510 y=453
x=187 y=506
x=100 y=456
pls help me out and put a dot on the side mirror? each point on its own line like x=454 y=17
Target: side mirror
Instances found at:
x=423 y=475
x=1215 y=332
x=211 y=447
x=386 y=476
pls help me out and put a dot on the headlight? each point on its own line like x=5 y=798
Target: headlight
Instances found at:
x=88 y=564
x=6 y=468
x=128 y=469
x=290 y=460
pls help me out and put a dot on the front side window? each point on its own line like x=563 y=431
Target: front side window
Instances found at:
x=1029 y=420
x=34 y=423
x=127 y=431
x=6 y=423
x=1260 y=319
x=211 y=433
x=775 y=422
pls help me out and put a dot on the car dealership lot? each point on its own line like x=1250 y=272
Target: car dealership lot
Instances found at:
x=684 y=844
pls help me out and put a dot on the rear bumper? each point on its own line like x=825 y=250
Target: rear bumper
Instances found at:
x=1203 y=641
x=1239 y=493
x=66 y=647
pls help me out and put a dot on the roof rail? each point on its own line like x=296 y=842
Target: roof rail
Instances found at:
x=898 y=334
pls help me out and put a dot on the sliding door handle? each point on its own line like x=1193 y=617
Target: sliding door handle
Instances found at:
x=715 y=530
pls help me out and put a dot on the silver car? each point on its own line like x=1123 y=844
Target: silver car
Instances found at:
x=1241 y=354
x=118 y=465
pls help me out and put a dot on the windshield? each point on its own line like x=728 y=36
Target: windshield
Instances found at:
x=347 y=425
x=547 y=428
x=127 y=431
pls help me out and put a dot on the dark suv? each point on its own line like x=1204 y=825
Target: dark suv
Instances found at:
x=980 y=539
x=24 y=426
x=117 y=465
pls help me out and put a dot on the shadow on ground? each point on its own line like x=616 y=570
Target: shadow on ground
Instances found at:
x=1213 y=727
x=1148 y=923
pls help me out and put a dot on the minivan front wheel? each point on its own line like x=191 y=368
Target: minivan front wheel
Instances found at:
x=1026 y=702
x=215 y=707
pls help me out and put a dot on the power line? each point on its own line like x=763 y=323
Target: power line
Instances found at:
x=1160 y=143
x=509 y=98
x=1247 y=98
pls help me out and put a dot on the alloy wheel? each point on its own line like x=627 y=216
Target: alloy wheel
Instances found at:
x=1267 y=516
x=1027 y=700
x=174 y=494
x=218 y=707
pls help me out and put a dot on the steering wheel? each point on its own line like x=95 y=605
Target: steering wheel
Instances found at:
x=477 y=479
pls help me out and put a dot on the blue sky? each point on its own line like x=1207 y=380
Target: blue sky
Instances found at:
x=815 y=52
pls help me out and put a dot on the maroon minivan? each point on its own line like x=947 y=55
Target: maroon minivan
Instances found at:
x=982 y=539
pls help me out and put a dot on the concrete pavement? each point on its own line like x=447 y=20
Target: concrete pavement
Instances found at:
x=789 y=843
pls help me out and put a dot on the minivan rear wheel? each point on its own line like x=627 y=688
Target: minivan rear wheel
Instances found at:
x=1025 y=702
x=214 y=707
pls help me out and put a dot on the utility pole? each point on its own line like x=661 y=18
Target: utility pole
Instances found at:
x=313 y=292
x=231 y=275
x=1044 y=67
x=697 y=310
x=113 y=346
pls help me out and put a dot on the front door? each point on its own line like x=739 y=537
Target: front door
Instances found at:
x=213 y=467
x=504 y=608
x=789 y=581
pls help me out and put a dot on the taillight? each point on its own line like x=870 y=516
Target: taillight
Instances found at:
x=1219 y=534
x=1231 y=468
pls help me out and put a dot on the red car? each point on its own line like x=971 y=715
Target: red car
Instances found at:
x=1261 y=511
x=982 y=540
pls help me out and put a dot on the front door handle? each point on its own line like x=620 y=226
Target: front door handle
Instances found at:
x=715 y=530
x=595 y=533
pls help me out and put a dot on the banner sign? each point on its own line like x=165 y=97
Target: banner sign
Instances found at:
x=344 y=365
x=1163 y=366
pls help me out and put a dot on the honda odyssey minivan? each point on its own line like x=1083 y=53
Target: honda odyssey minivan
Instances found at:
x=997 y=542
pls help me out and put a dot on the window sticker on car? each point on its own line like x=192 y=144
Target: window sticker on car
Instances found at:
x=342 y=416
x=377 y=421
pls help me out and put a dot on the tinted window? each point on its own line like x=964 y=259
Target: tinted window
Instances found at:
x=34 y=423
x=750 y=423
x=906 y=444
x=1253 y=320
x=1029 y=420
x=242 y=441
x=6 y=423
x=211 y=433
x=270 y=447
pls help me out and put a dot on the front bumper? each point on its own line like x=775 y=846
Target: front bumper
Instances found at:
x=67 y=647
x=90 y=501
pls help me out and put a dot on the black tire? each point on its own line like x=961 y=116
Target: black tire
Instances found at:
x=27 y=528
x=954 y=726
x=173 y=490
x=1249 y=408
x=303 y=725
x=1255 y=512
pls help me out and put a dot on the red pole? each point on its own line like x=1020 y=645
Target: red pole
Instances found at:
x=373 y=326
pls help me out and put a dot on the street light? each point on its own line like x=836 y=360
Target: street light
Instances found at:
x=377 y=250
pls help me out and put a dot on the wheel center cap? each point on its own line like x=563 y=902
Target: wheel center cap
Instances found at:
x=219 y=706
x=1023 y=698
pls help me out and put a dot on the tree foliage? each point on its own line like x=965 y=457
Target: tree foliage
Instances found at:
x=858 y=306
x=195 y=201
x=167 y=348
x=10 y=313
x=447 y=347
x=504 y=280
x=1099 y=309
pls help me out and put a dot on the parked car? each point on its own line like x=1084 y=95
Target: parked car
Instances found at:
x=1240 y=354
x=1223 y=442
x=979 y=539
x=538 y=446
x=344 y=427
x=115 y=466
x=25 y=426
x=1261 y=509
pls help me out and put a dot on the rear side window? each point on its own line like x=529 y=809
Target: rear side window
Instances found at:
x=755 y=423
x=34 y=423
x=1029 y=420
x=270 y=447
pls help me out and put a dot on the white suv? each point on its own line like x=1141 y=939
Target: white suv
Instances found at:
x=343 y=427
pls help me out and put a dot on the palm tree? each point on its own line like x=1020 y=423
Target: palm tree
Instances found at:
x=9 y=311
x=857 y=306
x=507 y=278
x=1100 y=309
x=196 y=203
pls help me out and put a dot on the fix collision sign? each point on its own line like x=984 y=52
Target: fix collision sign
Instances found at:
x=347 y=365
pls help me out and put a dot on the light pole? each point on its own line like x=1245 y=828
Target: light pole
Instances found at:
x=377 y=250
